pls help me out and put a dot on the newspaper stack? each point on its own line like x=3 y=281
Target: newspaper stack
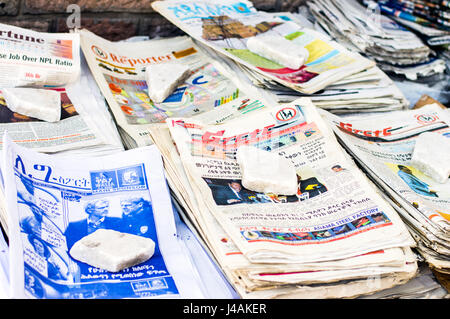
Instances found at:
x=53 y=201
x=395 y=49
x=431 y=20
x=335 y=238
x=383 y=147
x=119 y=71
x=36 y=61
x=368 y=91
x=226 y=26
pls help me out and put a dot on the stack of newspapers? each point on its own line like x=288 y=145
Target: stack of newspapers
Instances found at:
x=65 y=177
x=364 y=29
x=383 y=147
x=119 y=71
x=336 y=237
x=423 y=286
x=334 y=77
x=83 y=125
x=118 y=161
x=370 y=90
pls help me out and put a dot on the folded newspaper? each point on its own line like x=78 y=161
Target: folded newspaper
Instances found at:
x=49 y=69
x=335 y=238
x=30 y=58
x=227 y=25
x=383 y=146
x=52 y=202
x=119 y=70
x=368 y=91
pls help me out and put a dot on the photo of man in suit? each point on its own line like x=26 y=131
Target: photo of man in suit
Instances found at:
x=231 y=193
x=97 y=218
x=137 y=217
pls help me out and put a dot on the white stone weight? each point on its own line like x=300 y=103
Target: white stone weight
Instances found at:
x=112 y=250
x=266 y=172
x=431 y=155
x=37 y=103
x=162 y=79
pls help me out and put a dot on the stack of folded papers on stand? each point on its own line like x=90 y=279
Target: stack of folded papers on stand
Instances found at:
x=369 y=90
x=333 y=76
x=385 y=148
x=335 y=237
x=394 y=48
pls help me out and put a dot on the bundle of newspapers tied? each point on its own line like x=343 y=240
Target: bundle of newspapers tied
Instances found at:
x=364 y=29
x=385 y=148
x=370 y=90
x=333 y=237
x=97 y=227
x=49 y=100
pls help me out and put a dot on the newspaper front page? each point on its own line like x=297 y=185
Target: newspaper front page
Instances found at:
x=118 y=68
x=334 y=208
x=265 y=243
x=384 y=148
x=37 y=59
x=388 y=267
x=51 y=202
x=227 y=25
x=70 y=132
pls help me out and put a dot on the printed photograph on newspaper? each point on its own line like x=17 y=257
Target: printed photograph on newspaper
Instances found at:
x=56 y=204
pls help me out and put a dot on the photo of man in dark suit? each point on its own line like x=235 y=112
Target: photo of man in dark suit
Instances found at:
x=97 y=218
x=232 y=193
x=137 y=217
